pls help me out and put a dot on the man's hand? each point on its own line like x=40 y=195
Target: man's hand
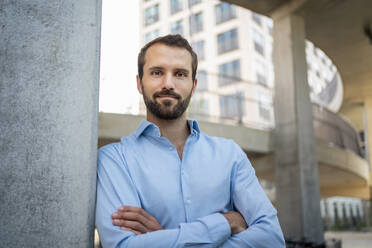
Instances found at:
x=135 y=219
x=236 y=221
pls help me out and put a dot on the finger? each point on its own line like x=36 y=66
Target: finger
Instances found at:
x=133 y=216
x=136 y=210
x=130 y=230
x=135 y=225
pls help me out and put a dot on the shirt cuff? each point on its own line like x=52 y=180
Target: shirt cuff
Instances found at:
x=218 y=226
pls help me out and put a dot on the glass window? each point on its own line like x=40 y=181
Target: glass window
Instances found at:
x=225 y=12
x=199 y=48
x=151 y=35
x=227 y=41
x=258 y=41
x=199 y=106
x=257 y=18
x=193 y=2
x=151 y=14
x=261 y=72
x=175 y=6
x=202 y=81
x=196 y=23
x=232 y=106
x=177 y=27
x=270 y=26
x=229 y=73
x=264 y=106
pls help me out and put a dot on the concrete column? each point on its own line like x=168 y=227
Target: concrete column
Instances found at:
x=296 y=171
x=368 y=138
x=49 y=73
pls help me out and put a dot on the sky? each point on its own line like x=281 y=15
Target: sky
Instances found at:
x=119 y=48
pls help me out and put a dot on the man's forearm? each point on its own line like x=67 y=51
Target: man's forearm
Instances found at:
x=210 y=231
x=263 y=234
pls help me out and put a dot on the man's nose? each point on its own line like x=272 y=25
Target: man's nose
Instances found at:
x=168 y=82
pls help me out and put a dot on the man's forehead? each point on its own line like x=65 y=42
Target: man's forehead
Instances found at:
x=167 y=55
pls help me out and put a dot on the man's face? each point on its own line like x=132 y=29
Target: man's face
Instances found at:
x=167 y=83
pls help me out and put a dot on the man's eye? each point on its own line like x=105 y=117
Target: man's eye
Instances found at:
x=156 y=73
x=181 y=74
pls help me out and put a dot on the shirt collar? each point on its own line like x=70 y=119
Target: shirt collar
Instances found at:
x=150 y=128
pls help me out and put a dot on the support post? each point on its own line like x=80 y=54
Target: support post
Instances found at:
x=296 y=171
x=49 y=75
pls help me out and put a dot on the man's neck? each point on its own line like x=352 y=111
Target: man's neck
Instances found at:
x=176 y=131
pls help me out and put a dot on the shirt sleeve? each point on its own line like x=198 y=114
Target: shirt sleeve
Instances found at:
x=115 y=188
x=250 y=200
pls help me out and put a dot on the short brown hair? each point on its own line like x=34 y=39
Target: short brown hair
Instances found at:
x=174 y=40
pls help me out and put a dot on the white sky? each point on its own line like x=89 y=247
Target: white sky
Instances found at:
x=119 y=49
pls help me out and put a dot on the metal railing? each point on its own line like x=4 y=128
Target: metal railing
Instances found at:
x=335 y=130
x=330 y=127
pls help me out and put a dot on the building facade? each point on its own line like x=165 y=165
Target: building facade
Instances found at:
x=234 y=47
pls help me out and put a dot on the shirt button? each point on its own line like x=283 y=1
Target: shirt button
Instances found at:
x=188 y=201
x=182 y=172
x=171 y=148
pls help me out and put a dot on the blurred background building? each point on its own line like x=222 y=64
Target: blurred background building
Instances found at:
x=236 y=80
x=234 y=47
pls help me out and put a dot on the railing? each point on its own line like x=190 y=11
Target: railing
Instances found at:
x=335 y=130
x=236 y=109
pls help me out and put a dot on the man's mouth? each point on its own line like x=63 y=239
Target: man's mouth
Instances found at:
x=167 y=96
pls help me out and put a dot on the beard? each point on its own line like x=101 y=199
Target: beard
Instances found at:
x=165 y=110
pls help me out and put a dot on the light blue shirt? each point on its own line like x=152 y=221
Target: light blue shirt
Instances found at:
x=185 y=196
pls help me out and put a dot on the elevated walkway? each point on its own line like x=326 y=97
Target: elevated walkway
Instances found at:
x=342 y=169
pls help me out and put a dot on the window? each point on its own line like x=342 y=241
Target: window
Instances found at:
x=199 y=48
x=232 y=106
x=225 y=12
x=227 y=41
x=151 y=35
x=261 y=72
x=151 y=15
x=199 y=106
x=175 y=6
x=258 y=42
x=196 y=23
x=177 y=27
x=202 y=81
x=264 y=106
x=270 y=26
x=257 y=18
x=229 y=72
x=193 y=2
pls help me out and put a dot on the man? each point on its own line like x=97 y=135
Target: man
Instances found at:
x=170 y=185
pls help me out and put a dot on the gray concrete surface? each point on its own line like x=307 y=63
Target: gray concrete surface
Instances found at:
x=352 y=239
x=296 y=172
x=49 y=72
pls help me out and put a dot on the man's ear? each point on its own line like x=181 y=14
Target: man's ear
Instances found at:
x=139 y=84
x=194 y=86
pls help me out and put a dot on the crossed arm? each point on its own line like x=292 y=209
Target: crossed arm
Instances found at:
x=138 y=221
x=133 y=227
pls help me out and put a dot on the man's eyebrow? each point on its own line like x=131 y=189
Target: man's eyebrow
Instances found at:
x=156 y=68
x=182 y=70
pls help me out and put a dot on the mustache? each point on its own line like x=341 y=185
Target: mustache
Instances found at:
x=167 y=92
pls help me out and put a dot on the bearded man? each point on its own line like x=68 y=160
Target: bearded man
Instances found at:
x=170 y=185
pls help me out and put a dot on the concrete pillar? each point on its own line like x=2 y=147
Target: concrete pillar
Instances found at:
x=296 y=171
x=49 y=74
x=368 y=138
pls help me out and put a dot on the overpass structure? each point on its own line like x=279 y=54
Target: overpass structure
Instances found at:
x=342 y=29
